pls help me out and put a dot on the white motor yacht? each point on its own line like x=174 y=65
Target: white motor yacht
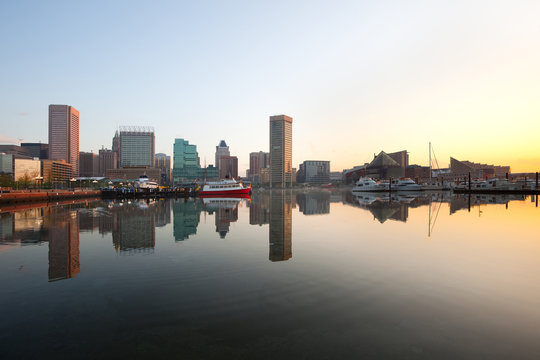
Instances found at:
x=407 y=184
x=501 y=184
x=367 y=184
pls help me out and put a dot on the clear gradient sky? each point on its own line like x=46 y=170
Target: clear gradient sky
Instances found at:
x=356 y=76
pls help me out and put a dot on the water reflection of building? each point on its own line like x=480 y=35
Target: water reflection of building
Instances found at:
x=136 y=228
x=382 y=206
x=226 y=211
x=280 y=233
x=133 y=223
x=259 y=209
x=163 y=213
x=63 y=234
x=186 y=216
x=89 y=221
x=314 y=202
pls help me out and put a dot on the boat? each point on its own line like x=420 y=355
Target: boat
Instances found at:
x=407 y=184
x=367 y=184
x=501 y=184
x=224 y=188
x=145 y=183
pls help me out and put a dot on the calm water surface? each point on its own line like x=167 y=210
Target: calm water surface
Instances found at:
x=281 y=275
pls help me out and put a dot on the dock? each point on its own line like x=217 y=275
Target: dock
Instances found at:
x=498 y=191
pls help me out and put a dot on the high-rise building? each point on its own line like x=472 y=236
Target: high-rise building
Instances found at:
x=280 y=151
x=88 y=164
x=185 y=161
x=257 y=161
x=64 y=135
x=116 y=150
x=37 y=150
x=107 y=160
x=221 y=150
x=137 y=146
x=228 y=167
x=163 y=162
x=186 y=167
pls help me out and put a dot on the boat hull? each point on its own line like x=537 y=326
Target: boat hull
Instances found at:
x=244 y=191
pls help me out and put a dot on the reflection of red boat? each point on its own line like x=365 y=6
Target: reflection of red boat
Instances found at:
x=224 y=188
x=226 y=196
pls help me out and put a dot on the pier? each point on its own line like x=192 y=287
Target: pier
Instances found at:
x=498 y=191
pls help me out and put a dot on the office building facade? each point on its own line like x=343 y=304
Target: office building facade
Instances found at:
x=186 y=167
x=6 y=164
x=137 y=146
x=228 y=167
x=37 y=150
x=107 y=160
x=56 y=171
x=64 y=135
x=280 y=151
x=257 y=161
x=314 y=172
x=26 y=169
x=88 y=164
x=163 y=162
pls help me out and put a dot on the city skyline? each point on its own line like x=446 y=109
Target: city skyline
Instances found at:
x=357 y=78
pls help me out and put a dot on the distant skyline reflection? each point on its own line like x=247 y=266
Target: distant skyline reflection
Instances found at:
x=427 y=276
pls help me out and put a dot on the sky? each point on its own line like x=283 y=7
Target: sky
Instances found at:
x=357 y=77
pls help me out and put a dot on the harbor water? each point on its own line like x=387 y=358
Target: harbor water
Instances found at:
x=283 y=274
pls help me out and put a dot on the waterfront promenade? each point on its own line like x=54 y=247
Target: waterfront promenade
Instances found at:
x=20 y=196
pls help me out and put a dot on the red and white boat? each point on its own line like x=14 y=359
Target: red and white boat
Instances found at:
x=224 y=188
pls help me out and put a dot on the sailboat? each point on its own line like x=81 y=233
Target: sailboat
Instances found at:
x=435 y=184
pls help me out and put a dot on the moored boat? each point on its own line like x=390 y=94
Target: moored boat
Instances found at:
x=145 y=183
x=224 y=188
x=407 y=184
x=367 y=185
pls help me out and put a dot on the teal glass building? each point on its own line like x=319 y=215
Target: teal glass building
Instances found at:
x=186 y=166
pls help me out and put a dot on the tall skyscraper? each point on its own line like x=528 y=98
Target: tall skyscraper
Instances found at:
x=280 y=151
x=221 y=150
x=137 y=146
x=64 y=135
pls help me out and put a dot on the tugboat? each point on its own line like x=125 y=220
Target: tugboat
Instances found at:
x=224 y=188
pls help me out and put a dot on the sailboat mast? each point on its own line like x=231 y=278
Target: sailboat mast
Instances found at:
x=430 y=161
